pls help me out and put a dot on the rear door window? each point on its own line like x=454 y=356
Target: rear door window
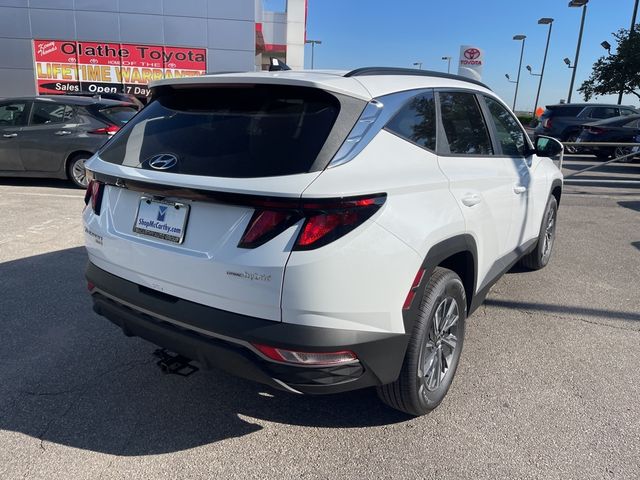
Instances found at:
x=416 y=121
x=463 y=123
x=237 y=132
x=50 y=113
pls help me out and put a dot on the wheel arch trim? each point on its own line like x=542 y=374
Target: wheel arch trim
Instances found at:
x=437 y=254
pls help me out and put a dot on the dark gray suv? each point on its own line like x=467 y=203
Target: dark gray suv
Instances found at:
x=52 y=136
x=563 y=121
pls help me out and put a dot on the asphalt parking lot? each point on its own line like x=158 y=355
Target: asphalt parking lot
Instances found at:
x=548 y=386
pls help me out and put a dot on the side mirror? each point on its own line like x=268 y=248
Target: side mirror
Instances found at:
x=548 y=147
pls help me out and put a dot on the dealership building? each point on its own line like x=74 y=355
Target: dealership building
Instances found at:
x=67 y=46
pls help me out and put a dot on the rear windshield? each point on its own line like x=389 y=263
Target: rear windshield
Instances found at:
x=237 y=132
x=118 y=115
x=563 y=111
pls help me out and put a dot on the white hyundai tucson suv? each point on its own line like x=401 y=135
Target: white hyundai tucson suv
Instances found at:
x=317 y=231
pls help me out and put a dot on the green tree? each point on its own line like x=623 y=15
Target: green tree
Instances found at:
x=617 y=71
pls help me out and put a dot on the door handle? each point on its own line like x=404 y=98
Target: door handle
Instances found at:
x=471 y=199
x=9 y=135
x=519 y=189
x=62 y=132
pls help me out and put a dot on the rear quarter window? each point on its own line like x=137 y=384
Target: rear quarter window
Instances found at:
x=416 y=121
x=237 y=132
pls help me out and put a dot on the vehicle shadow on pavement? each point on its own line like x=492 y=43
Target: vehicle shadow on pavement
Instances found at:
x=39 y=182
x=632 y=205
x=559 y=309
x=70 y=377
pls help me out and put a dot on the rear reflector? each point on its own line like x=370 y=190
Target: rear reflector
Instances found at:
x=90 y=286
x=595 y=130
x=95 y=190
x=324 y=220
x=413 y=290
x=306 y=358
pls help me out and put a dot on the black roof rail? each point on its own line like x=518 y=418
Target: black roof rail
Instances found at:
x=367 y=71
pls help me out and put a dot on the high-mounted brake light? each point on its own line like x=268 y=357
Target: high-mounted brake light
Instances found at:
x=110 y=130
x=306 y=358
x=95 y=190
x=324 y=220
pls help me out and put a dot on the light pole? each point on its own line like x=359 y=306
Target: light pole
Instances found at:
x=542 y=21
x=577 y=4
x=313 y=45
x=631 y=32
x=418 y=64
x=448 y=60
x=523 y=39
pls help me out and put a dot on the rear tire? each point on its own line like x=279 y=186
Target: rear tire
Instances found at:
x=434 y=348
x=76 y=171
x=541 y=254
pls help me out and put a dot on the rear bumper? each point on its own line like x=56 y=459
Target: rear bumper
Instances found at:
x=221 y=339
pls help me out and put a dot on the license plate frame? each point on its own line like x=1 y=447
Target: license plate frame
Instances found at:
x=155 y=227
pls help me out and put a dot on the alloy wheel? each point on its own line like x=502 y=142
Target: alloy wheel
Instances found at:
x=440 y=344
x=79 y=172
x=549 y=235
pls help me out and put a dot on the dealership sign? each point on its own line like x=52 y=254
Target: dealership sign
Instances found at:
x=471 y=62
x=101 y=67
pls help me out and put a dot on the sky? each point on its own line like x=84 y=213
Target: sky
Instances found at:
x=356 y=33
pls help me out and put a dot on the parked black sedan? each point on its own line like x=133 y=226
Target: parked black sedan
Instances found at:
x=52 y=136
x=625 y=129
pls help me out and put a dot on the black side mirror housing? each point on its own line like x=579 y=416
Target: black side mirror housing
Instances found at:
x=548 y=147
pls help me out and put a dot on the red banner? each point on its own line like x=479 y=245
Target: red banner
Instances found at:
x=100 y=67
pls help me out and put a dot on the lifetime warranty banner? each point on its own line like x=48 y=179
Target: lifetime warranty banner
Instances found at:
x=100 y=67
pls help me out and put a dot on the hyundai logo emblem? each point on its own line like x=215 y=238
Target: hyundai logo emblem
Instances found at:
x=163 y=161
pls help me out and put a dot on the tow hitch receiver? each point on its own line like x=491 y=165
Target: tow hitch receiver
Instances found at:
x=171 y=363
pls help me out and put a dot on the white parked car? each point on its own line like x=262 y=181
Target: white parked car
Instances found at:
x=317 y=231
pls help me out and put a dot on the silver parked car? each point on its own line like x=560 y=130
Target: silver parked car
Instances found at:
x=52 y=136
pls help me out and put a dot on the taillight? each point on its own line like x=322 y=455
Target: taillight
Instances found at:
x=265 y=225
x=95 y=190
x=547 y=123
x=306 y=358
x=324 y=220
x=595 y=130
x=110 y=130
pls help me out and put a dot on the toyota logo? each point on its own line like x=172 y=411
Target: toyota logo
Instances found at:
x=163 y=161
x=471 y=53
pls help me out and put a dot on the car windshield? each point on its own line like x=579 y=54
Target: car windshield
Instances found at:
x=238 y=132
